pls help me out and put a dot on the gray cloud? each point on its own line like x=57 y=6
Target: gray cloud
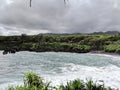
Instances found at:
x=53 y=16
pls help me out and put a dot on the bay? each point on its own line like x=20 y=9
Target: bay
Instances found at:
x=59 y=67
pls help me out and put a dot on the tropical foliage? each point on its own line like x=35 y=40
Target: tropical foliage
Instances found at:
x=34 y=82
x=31 y=82
x=61 y=43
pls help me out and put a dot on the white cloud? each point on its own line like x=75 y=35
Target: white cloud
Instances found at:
x=9 y=1
x=56 y=17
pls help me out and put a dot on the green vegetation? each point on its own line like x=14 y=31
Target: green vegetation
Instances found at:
x=80 y=85
x=113 y=47
x=34 y=82
x=31 y=82
x=61 y=43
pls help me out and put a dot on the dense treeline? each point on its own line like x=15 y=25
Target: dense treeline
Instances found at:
x=61 y=43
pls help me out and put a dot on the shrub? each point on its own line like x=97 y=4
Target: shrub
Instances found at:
x=80 y=85
x=34 y=82
x=31 y=82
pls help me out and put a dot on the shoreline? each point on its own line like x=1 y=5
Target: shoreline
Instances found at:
x=92 y=52
x=103 y=52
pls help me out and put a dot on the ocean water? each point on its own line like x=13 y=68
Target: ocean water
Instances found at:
x=59 y=67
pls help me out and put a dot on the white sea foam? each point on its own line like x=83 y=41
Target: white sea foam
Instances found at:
x=110 y=75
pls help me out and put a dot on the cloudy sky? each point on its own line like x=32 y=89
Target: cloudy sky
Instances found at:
x=53 y=16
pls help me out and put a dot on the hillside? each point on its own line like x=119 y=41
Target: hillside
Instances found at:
x=79 y=43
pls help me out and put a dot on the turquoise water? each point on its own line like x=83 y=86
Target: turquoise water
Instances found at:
x=59 y=67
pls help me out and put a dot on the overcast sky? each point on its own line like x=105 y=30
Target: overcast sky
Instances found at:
x=53 y=16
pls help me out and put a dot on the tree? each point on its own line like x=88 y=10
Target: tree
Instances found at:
x=31 y=2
